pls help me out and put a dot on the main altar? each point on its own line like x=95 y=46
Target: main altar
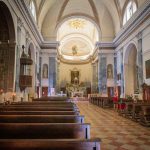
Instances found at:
x=76 y=90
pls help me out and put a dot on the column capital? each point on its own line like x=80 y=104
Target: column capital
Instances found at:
x=139 y=35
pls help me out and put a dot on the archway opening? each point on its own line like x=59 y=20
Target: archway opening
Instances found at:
x=77 y=37
x=7 y=49
x=131 y=70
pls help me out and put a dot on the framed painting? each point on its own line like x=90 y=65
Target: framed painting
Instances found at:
x=147 y=67
x=74 y=77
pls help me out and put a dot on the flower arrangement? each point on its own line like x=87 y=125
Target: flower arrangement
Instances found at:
x=129 y=97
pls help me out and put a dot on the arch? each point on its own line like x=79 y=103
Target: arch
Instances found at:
x=9 y=20
x=72 y=16
x=7 y=49
x=79 y=31
x=124 y=10
x=130 y=69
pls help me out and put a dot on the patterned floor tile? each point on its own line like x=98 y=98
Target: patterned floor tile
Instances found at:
x=116 y=132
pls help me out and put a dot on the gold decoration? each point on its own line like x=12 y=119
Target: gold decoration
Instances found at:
x=77 y=23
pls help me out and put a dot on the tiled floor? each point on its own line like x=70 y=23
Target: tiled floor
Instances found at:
x=116 y=132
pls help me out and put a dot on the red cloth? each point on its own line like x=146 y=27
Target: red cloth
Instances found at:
x=115 y=99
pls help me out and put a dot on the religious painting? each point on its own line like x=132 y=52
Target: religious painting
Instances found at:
x=109 y=71
x=75 y=77
x=147 y=66
x=45 y=71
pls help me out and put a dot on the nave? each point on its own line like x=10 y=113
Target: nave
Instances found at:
x=116 y=132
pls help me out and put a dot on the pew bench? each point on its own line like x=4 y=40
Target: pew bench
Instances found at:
x=39 y=112
x=145 y=116
x=49 y=144
x=43 y=103
x=41 y=119
x=44 y=131
x=56 y=108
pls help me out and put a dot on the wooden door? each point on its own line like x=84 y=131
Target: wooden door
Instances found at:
x=110 y=91
x=44 y=91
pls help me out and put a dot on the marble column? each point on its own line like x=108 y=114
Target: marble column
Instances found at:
x=40 y=76
x=115 y=69
x=93 y=78
x=139 y=62
x=57 y=75
x=52 y=72
x=18 y=50
x=122 y=75
x=102 y=81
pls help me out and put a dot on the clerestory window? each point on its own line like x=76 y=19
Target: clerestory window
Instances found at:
x=32 y=8
x=129 y=11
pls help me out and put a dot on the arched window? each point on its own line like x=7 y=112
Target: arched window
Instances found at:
x=32 y=8
x=129 y=11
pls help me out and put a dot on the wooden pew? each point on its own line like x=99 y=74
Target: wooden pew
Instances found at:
x=137 y=109
x=43 y=102
x=11 y=108
x=39 y=112
x=41 y=119
x=127 y=112
x=145 y=116
x=42 y=105
x=52 y=98
x=50 y=144
x=44 y=131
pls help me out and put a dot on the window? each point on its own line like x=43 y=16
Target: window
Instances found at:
x=33 y=10
x=129 y=11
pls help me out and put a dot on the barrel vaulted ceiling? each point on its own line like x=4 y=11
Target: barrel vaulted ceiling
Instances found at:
x=107 y=14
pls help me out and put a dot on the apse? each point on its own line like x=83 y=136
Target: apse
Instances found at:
x=77 y=37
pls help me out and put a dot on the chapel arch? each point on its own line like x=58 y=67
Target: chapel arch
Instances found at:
x=7 y=49
x=130 y=69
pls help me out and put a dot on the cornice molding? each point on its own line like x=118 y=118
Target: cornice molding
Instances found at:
x=142 y=14
x=49 y=45
x=22 y=6
x=134 y=22
x=105 y=45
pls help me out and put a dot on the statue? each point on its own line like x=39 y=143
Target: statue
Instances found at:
x=74 y=50
x=45 y=71
x=109 y=71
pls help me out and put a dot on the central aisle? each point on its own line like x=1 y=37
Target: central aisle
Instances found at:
x=116 y=132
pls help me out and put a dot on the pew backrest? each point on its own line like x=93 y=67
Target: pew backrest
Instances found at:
x=41 y=119
x=50 y=144
x=44 y=131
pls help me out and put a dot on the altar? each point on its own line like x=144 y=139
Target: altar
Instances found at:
x=77 y=94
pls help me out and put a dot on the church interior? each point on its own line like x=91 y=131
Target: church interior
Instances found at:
x=75 y=72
